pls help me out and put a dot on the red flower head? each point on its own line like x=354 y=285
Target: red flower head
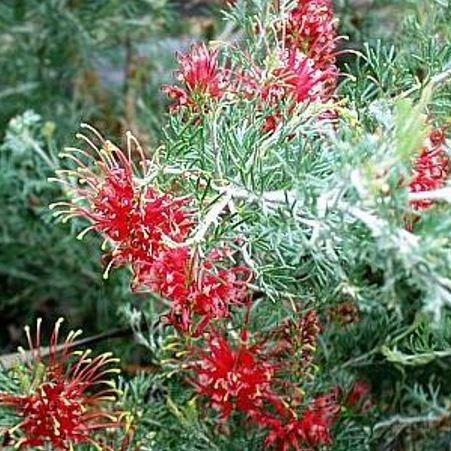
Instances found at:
x=431 y=169
x=201 y=77
x=147 y=230
x=233 y=379
x=107 y=189
x=217 y=290
x=312 y=429
x=65 y=402
x=295 y=80
x=311 y=28
x=199 y=292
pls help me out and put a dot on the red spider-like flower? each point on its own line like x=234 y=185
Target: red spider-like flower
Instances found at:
x=312 y=429
x=311 y=27
x=431 y=169
x=233 y=379
x=66 y=400
x=201 y=77
x=106 y=189
x=217 y=290
x=106 y=193
x=295 y=80
x=196 y=290
x=167 y=274
x=147 y=229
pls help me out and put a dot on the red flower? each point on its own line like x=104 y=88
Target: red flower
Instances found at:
x=312 y=429
x=431 y=169
x=105 y=194
x=133 y=218
x=233 y=379
x=311 y=27
x=201 y=78
x=296 y=79
x=216 y=291
x=65 y=402
x=301 y=80
x=146 y=230
x=196 y=291
x=166 y=274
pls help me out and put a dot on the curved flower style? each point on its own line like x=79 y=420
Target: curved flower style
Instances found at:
x=311 y=27
x=201 y=78
x=233 y=379
x=106 y=189
x=66 y=400
x=312 y=429
x=147 y=229
x=431 y=169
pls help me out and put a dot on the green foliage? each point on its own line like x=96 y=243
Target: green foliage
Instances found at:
x=71 y=60
x=318 y=211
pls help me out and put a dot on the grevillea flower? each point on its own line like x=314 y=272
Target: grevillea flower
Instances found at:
x=66 y=402
x=201 y=78
x=311 y=28
x=146 y=229
x=312 y=429
x=196 y=289
x=294 y=80
x=233 y=378
x=106 y=189
x=431 y=169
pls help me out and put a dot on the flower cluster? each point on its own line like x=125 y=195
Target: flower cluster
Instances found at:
x=146 y=230
x=312 y=429
x=153 y=232
x=302 y=71
x=66 y=402
x=431 y=169
x=233 y=379
x=249 y=378
x=311 y=27
x=202 y=79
